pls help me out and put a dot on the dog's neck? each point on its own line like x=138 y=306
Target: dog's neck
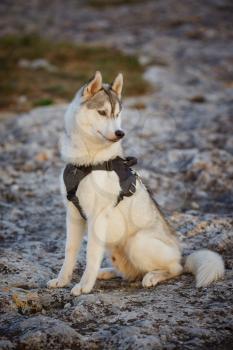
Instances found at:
x=77 y=150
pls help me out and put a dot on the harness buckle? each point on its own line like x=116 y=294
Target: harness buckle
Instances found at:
x=109 y=165
x=132 y=191
x=130 y=161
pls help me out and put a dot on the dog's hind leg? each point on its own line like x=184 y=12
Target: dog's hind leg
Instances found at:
x=157 y=258
x=154 y=277
x=75 y=226
x=107 y=273
x=122 y=264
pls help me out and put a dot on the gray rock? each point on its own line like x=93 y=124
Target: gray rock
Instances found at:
x=6 y=345
x=38 y=63
x=42 y=332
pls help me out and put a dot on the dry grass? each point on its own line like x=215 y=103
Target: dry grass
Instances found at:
x=21 y=88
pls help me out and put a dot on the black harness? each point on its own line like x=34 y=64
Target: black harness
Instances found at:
x=74 y=174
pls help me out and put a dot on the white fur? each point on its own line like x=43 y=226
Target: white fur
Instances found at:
x=207 y=266
x=135 y=233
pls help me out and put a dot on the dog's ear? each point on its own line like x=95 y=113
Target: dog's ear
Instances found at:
x=93 y=86
x=117 y=84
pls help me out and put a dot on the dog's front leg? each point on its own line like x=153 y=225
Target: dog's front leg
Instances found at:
x=75 y=227
x=95 y=251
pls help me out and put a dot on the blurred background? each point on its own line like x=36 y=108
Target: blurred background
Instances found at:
x=49 y=48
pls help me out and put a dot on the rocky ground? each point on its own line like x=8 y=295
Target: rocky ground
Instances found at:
x=182 y=136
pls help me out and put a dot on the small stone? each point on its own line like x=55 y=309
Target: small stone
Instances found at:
x=23 y=99
x=198 y=99
x=42 y=157
x=67 y=305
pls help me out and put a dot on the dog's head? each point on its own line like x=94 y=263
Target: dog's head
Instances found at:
x=99 y=113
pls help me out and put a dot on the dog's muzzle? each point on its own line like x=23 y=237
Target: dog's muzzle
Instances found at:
x=119 y=134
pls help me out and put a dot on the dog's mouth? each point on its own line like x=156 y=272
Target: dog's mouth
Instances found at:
x=107 y=139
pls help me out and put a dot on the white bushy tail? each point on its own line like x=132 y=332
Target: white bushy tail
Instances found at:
x=207 y=266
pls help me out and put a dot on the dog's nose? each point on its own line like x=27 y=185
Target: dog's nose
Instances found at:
x=119 y=134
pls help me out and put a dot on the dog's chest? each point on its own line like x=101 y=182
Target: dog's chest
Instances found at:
x=98 y=190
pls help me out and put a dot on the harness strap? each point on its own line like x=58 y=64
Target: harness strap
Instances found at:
x=74 y=174
x=74 y=199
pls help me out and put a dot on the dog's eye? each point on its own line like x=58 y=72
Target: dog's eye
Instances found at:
x=103 y=113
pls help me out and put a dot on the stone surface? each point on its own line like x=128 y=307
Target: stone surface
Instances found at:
x=183 y=139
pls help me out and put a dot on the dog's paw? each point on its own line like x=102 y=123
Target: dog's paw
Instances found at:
x=106 y=274
x=151 y=279
x=79 y=289
x=57 y=283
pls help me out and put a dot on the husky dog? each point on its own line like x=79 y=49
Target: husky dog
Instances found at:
x=141 y=243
